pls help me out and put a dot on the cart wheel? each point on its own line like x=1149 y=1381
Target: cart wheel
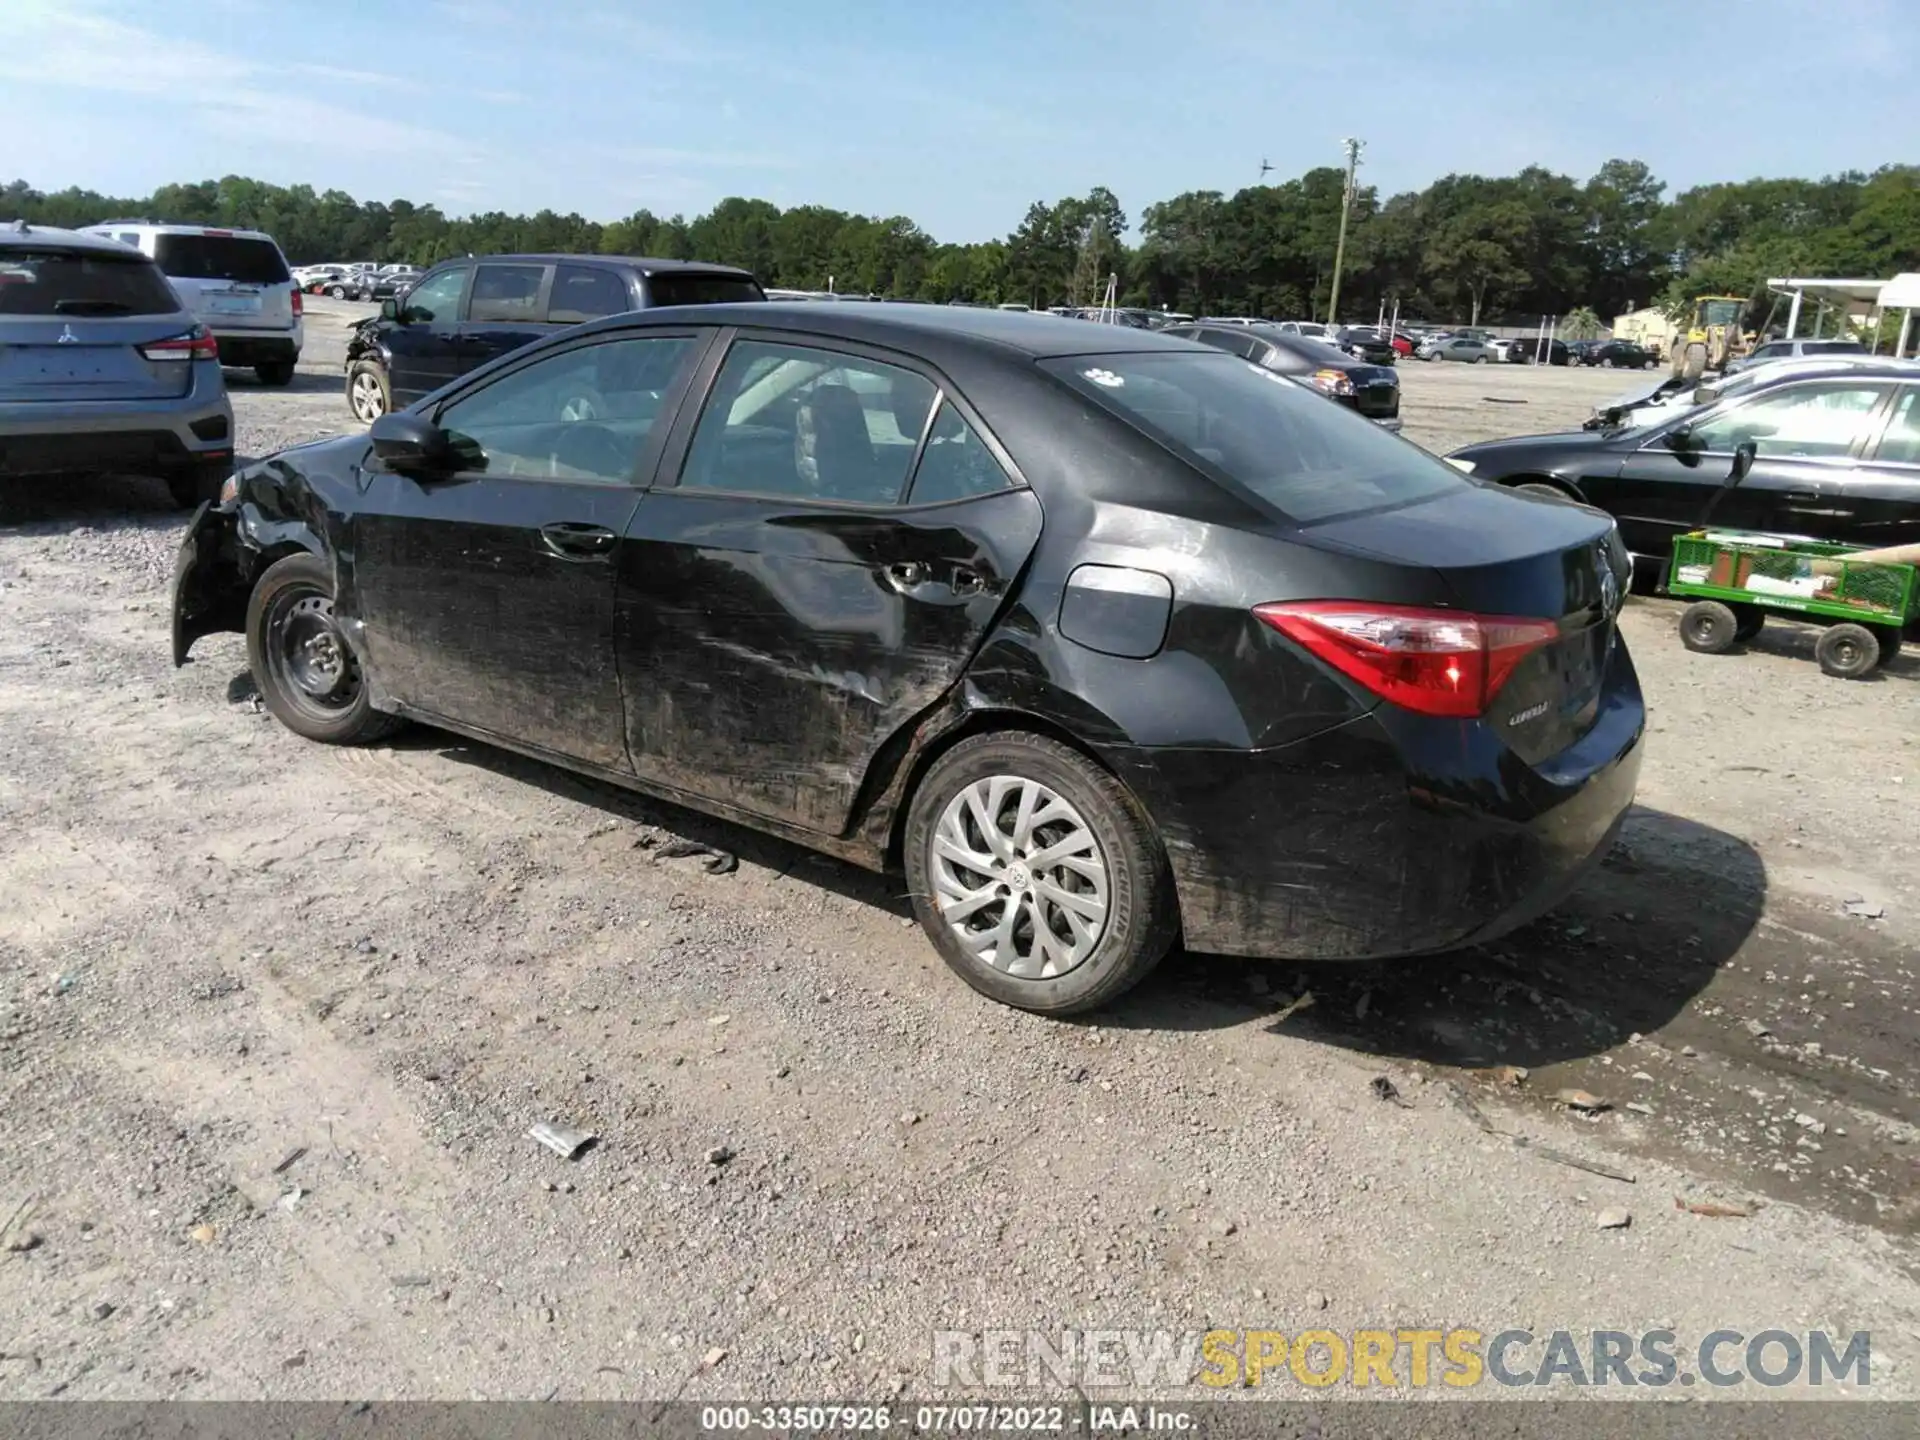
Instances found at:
x=1748 y=621
x=1851 y=652
x=1889 y=644
x=1708 y=627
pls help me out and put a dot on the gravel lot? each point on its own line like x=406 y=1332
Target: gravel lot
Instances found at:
x=275 y=1018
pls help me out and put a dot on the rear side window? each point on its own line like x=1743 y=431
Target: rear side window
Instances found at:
x=63 y=282
x=507 y=294
x=695 y=289
x=1835 y=347
x=1307 y=458
x=954 y=463
x=220 y=257
x=581 y=292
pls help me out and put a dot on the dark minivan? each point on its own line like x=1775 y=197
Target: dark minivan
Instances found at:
x=463 y=313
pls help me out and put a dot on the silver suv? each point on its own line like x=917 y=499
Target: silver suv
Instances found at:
x=235 y=282
x=102 y=369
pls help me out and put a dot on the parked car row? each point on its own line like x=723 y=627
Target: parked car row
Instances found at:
x=1836 y=456
x=356 y=282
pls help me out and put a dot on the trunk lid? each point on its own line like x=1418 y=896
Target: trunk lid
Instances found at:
x=1496 y=552
x=60 y=358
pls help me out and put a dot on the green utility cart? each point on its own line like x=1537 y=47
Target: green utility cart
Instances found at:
x=1737 y=578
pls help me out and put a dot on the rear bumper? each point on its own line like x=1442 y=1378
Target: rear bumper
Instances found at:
x=1391 y=835
x=146 y=436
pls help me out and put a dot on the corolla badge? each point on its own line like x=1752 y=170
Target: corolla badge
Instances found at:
x=67 y=337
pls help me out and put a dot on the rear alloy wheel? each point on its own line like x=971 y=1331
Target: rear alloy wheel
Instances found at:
x=1479 y=359
x=367 y=393
x=308 y=674
x=280 y=372
x=1708 y=628
x=338 y=292
x=1037 y=875
x=1849 y=652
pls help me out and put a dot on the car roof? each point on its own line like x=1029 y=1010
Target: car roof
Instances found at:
x=646 y=264
x=18 y=235
x=160 y=229
x=1032 y=333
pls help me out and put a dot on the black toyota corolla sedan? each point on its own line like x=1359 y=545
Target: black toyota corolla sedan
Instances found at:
x=1105 y=638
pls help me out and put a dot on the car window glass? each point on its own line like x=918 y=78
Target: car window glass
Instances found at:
x=1901 y=443
x=235 y=258
x=681 y=288
x=791 y=420
x=580 y=415
x=63 y=282
x=1823 y=418
x=1307 y=459
x=505 y=294
x=437 y=298
x=582 y=292
x=955 y=464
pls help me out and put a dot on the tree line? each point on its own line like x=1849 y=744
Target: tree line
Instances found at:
x=1467 y=247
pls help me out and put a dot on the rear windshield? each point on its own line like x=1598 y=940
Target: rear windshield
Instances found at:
x=680 y=289
x=1299 y=452
x=63 y=282
x=1834 y=347
x=221 y=257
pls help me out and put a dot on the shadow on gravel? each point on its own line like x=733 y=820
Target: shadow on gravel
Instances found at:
x=1626 y=953
x=303 y=383
x=884 y=892
x=86 y=500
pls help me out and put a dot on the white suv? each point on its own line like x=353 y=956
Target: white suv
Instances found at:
x=235 y=282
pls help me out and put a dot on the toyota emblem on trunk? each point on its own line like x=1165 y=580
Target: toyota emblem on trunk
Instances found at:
x=67 y=337
x=1609 y=582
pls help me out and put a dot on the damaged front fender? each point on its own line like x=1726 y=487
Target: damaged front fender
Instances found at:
x=211 y=580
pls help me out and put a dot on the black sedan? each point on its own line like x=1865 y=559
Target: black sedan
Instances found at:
x=1372 y=390
x=1368 y=345
x=1836 y=457
x=1102 y=637
x=1619 y=355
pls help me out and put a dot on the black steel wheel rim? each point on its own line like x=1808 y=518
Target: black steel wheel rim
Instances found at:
x=309 y=661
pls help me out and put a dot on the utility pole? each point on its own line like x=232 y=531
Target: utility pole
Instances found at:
x=1353 y=149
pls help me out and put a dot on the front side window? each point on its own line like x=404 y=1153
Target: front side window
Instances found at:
x=581 y=415
x=1817 y=419
x=506 y=294
x=436 y=300
x=583 y=292
x=1307 y=459
x=790 y=420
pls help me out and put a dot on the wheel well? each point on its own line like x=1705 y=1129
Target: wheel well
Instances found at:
x=1513 y=482
x=979 y=722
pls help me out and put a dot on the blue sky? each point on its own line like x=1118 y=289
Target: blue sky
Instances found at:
x=957 y=113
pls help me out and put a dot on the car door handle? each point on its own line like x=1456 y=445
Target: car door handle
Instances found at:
x=905 y=575
x=569 y=540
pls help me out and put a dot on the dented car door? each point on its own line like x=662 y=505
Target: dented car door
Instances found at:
x=838 y=541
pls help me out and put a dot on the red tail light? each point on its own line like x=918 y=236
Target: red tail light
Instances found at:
x=299 y=303
x=197 y=344
x=1434 y=662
